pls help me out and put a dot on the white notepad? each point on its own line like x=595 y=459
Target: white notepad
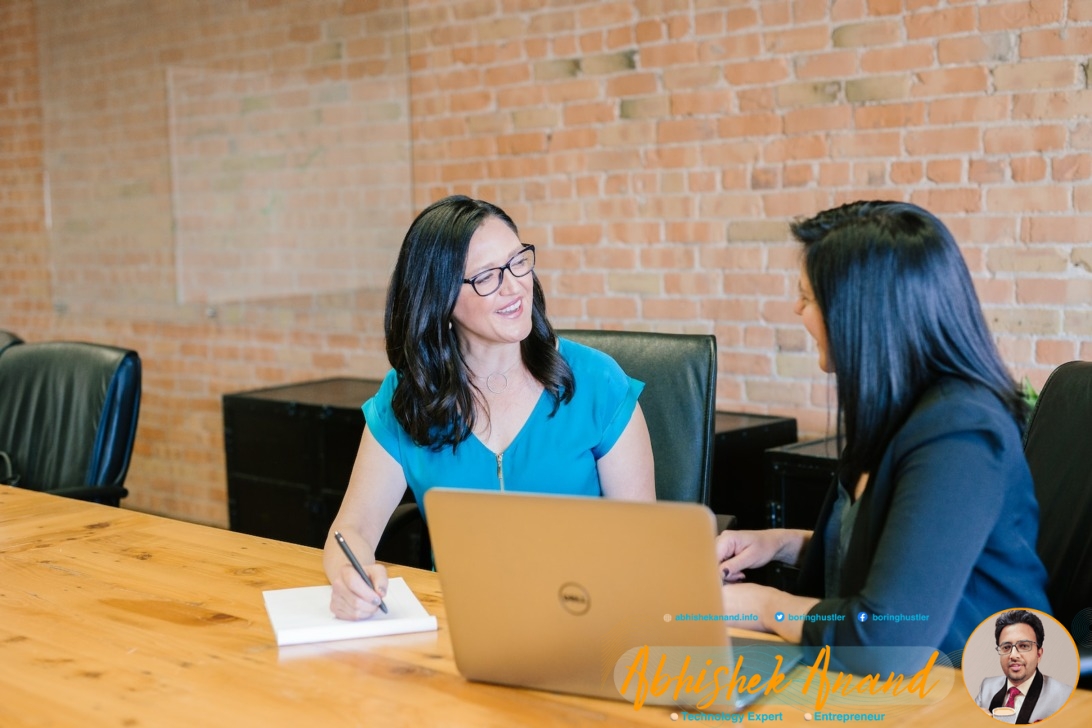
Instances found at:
x=303 y=615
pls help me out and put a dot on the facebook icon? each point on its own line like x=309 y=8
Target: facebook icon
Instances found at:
x=862 y=616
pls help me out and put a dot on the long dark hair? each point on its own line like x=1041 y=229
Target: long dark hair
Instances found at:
x=900 y=312
x=434 y=399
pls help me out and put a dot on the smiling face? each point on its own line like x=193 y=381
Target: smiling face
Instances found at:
x=503 y=316
x=1019 y=666
x=808 y=309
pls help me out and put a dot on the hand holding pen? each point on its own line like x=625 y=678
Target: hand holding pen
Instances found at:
x=358 y=568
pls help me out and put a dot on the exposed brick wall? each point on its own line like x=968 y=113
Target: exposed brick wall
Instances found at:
x=653 y=149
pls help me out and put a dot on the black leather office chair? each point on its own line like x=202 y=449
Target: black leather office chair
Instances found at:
x=8 y=339
x=1058 y=446
x=679 y=404
x=68 y=417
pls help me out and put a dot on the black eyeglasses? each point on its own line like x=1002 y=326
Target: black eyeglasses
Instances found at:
x=488 y=281
x=1022 y=646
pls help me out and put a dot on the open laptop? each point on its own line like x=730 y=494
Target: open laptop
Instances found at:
x=562 y=593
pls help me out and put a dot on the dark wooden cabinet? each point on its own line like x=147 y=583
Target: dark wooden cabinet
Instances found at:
x=797 y=479
x=738 y=465
x=290 y=451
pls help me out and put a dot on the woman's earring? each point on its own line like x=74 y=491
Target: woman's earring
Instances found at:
x=449 y=326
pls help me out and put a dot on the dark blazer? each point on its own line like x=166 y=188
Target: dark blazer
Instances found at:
x=1045 y=697
x=945 y=531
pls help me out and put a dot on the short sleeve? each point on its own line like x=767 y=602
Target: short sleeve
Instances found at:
x=621 y=417
x=605 y=393
x=380 y=419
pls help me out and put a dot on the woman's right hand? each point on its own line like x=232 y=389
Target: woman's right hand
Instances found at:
x=351 y=598
x=738 y=551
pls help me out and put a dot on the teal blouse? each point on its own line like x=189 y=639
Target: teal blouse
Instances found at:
x=550 y=454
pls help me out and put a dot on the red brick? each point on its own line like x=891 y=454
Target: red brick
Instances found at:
x=833 y=174
x=883 y=7
x=869 y=33
x=730 y=309
x=1028 y=199
x=945 y=112
x=1019 y=15
x=1053 y=105
x=757 y=100
x=943 y=22
x=754 y=72
x=692 y=284
x=953 y=201
x=907 y=173
x=883 y=61
x=672 y=309
x=796 y=40
x=748 y=125
x=943 y=141
x=1072 y=167
x=944 y=171
x=1053 y=229
x=986 y=171
x=1052 y=42
x=701 y=103
x=1015 y=140
x=988 y=48
x=1055 y=352
x=632 y=84
x=951 y=81
x=833 y=64
x=668 y=55
x=776 y=12
x=1080 y=10
x=802 y=121
x=594 y=112
x=797 y=148
x=790 y=204
x=1037 y=75
x=690 y=77
x=889 y=116
x=1028 y=169
x=613 y=307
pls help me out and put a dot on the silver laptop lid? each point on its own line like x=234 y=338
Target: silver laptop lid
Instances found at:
x=551 y=592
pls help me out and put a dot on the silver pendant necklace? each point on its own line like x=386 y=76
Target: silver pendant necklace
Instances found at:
x=497 y=382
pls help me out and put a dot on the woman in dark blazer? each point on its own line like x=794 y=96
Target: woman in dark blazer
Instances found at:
x=931 y=524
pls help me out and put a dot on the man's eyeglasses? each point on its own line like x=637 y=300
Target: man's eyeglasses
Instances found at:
x=488 y=281
x=1022 y=646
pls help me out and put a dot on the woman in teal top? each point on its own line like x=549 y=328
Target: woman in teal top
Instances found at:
x=482 y=394
x=554 y=452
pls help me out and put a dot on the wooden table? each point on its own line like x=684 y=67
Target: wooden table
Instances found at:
x=109 y=617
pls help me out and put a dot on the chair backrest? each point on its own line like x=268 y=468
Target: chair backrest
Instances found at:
x=68 y=416
x=1058 y=446
x=8 y=339
x=679 y=401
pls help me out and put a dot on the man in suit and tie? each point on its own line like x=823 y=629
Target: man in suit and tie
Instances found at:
x=1023 y=694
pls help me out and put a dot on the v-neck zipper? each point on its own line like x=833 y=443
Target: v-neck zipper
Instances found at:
x=500 y=469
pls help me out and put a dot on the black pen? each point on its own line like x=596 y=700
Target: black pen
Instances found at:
x=356 y=565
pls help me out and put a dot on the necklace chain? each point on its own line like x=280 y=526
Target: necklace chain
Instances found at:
x=497 y=382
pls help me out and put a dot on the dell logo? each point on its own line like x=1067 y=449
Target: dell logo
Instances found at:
x=574 y=598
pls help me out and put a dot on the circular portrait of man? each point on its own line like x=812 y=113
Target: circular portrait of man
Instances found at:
x=1020 y=665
